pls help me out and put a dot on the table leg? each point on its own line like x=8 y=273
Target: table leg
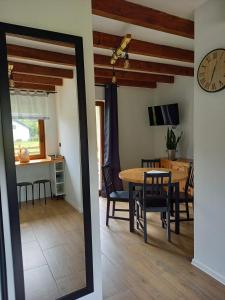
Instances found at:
x=177 y=208
x=131 y=207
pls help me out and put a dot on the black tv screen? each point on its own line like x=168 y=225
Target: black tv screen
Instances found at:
x=164 y=115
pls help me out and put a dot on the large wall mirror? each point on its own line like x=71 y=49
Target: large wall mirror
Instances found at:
x=45 y=146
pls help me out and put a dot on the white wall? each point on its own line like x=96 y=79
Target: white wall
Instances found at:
x=68 y=135
x=75 y=18
x=209 y=150
x=181 y=92
x=136 y=138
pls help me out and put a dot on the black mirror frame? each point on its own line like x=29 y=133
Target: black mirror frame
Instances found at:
x=7 y=136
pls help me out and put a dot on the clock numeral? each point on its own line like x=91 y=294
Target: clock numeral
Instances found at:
x=214 y=55
x=213 y=86
x=207 y=85
x=208 y=59
x=221 y=83
x=201 y=74
x=202 y=66
x=202 y=81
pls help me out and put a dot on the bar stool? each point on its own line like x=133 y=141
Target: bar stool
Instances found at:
x=24 y=184
x=43 y=181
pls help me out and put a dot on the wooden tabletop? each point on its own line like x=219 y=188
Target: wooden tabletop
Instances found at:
x=137 y=175
x=39 y=161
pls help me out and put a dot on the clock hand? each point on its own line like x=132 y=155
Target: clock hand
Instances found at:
x=213 y=72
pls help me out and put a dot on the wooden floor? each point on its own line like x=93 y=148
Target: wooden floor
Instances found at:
x=52 y=236
x=133 y=270
x=53 y=249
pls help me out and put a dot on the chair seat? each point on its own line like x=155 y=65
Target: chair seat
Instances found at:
x=24 y=183
x=122 y=196
x=183 y=197
x=156 y=201
x=42 y=181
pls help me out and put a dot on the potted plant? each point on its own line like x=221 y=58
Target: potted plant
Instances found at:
x=171 y=143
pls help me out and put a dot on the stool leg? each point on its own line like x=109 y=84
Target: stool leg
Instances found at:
x=50 y=188
x=26 y=193
x=44 y=192
x=32 y=194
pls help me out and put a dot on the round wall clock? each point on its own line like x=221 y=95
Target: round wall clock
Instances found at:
x=211 y=71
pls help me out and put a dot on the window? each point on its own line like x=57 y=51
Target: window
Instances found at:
x=29 y=134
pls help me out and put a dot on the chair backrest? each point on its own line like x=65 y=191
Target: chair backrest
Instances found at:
x=190 y=179
x=108 y=179
x=150 y=163
x=157 y=184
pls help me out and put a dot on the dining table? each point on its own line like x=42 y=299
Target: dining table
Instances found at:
x=135 y=177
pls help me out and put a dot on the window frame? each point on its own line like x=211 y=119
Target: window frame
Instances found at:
x=41 y=131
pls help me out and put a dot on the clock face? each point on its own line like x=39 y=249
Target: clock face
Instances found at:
x=211 y=71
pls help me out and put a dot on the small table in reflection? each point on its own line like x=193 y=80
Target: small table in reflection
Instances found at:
x=136 y=176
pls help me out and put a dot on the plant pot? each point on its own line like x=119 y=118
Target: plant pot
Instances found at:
x=171 y=154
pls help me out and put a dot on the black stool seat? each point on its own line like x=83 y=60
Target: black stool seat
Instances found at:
x=25 y=184
x=43 y=181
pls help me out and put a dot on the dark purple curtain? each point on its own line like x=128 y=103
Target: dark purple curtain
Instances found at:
x=111 y=147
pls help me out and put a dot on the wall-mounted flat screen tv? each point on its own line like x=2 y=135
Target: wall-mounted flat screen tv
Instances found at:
x=164 y=114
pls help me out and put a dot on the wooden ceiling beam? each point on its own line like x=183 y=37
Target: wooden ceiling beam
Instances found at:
x=34 y=87
x=109 y=41
x=124 y=82
x=136 y=14
x=23 y=68
x=27 y=78
x=145 y=66
x=133 y=76
x=40 y=55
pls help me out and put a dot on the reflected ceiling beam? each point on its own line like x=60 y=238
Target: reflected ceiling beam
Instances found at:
x=133 y=76
x=143 y=16
x=124 y=82
x=145 y=66
x=40 y=70
x=40 y=55
x=27 y=78
x=108 y=41
x=33 y=86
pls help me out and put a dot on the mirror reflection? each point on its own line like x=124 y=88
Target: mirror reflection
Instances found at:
x=43 y=92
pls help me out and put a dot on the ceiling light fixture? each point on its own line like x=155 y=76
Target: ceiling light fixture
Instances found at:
x=118 y=52
x=114 y=80
x=126 y=62
x=10 y=75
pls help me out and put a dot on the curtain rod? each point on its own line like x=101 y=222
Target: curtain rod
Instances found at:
x=32 y=91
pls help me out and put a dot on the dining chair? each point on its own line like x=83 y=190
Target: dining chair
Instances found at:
x=113 y=196
x=150 y=163
x=187 y=196
x=155 y=198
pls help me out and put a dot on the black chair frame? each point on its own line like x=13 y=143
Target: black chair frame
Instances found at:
x=110 y=190
x=155 y=197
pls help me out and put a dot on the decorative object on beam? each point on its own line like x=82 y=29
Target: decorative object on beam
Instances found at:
x=119 y=52
x=10 y=75
x=114 y=76
x=126 y=62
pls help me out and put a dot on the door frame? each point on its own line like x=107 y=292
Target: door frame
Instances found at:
x=101 y=105
x=8 y=149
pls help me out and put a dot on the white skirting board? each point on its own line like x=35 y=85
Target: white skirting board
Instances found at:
x=208 y=270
